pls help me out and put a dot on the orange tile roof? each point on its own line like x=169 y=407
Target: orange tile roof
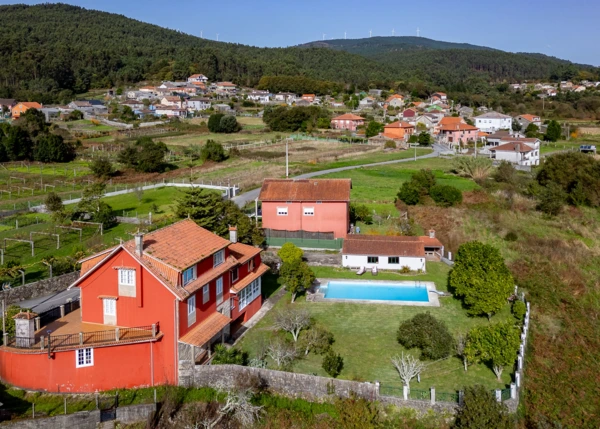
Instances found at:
x=349 y=117
x=181 y=244
x=89 y=263
x=205 y=331
x=31 y=104
x=262 y=269
x=530 y=118
x=452 y=120
x=430 y=242
x=211 y=275
x=512 y=147
x=383 y=245
x=305 y=190
x=243 y=252
x=458 y=127
x=393 y=96
x=399 y=124
x=440 y=93
x=482 y=134
x=25 y=315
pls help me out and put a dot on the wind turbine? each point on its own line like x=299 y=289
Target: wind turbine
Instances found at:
x=418 y=32
x=201 y=33
x=370 y=33
x=324 y=36
x=344 y=35
x=217 y=37
x=393 y=32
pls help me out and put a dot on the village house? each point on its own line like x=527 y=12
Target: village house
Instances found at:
x=440 y=95
x=225 y=88
x=457 y=134
x=428 y=120
x=6 y=105
x=143 y=303
x=172 y=100
x=525 y=120
x=395 y=101
x=197 y=78
x=170 y=111
x=133 y=104
x=198 y=103
x=367 y=102
x=308 y=97
x=493 y=121
x=306 y=208
x=81 y=105
x=148 y=89
x=262 y=97
x=465 y=111
x=285 y=97
x=519 y=151
x=390 y=252
x=398 y=130
x=347 y=121
x=409 y=114
x=22 y=107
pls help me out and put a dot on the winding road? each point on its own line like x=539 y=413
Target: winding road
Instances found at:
x=242 y=199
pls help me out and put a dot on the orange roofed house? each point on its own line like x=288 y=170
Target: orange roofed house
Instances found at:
x=147 y=305
x=23 y=107
x=306 y=208
x=347 y=121
x=398 y=130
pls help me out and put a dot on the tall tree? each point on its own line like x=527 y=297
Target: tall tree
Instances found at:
x=496 y=344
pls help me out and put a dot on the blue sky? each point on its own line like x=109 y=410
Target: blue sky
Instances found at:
x=563 y=29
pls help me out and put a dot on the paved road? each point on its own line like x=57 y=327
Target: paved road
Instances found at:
x=242 y=199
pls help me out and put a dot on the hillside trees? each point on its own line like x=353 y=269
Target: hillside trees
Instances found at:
x=294 y=118
x=145 y=155
x=427 y=333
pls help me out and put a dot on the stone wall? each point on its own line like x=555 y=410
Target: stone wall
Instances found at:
x=36 y=289
x=283 y=383
x=85 y=419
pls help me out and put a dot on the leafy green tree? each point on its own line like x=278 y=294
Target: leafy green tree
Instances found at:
x=75 y=115
x=360 y=212
x=53 y=202
x=127 y=114
x=102 y=168
x=428 y=334
x=532 y=130
x=505 y=173
x=289 y=252
x=214 y=122
x=17 y=143
x=496 y=344
x=425 y=139
x=33 y=122
x=425 y=179
x=90 y=207
x=318 y=340
x=480 y=277
x=446 y=195
x=12 y=311
x=410 y=193
x=373 y=129
x=146 y=155
x=519 y=308
x=52 y=148
x=228 y=124
x=203 y=206
x=297 y=277
x=229 y=356
x=333 y=363
x=553 y=132
x=481 y=410
x=213 y=151
x=516 y=126
x=359 y=413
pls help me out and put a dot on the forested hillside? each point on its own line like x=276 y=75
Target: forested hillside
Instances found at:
x=450 y=64
x=50 y=51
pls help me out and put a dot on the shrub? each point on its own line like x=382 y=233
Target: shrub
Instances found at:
x=409 y=194
x=228 y=125
x=405 y=269
x=390 y=144
x=333 y=363
x=289 y=252
x=360 y=212
x=214 y=122
x=519 y=308
x=446 y=195
x=53 y=202
x=428 y=334
x=511 y=236
x=102 y=168
x=505 y=173
x=481 y=410
x=224 y=356
x=551 y=199
x=213 y=151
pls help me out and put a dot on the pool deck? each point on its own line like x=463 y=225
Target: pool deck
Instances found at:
x=315 y=294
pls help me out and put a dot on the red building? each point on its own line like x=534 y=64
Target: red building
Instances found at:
x=347 y=121
x=306 y=208
x=142 y=302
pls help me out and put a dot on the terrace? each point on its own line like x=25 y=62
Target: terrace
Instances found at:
x=69 y=332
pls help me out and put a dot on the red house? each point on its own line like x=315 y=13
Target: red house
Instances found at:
x=143 y=304
x=306 y=208
x=347 y=121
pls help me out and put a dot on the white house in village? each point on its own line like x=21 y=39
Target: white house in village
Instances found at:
x=493 y=121
x=198 y=103
x=389 y=252
x=519 y=151
x=197 y=78
x=262 y=97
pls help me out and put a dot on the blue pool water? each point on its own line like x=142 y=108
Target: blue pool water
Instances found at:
x=379 y=291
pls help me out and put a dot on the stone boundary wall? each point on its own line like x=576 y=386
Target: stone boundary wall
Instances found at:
x=84 y=419
x=40 y=288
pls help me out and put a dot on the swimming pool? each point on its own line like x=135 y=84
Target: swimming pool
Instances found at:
x=375 y=291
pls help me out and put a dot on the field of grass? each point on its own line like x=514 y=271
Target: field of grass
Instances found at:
x=251 y=123
x=201 y=139
x=365 y=336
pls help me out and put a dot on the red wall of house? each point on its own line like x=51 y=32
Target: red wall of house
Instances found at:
x=126 y=366
x=329 y=217
x=153 y=303
x=248 y=311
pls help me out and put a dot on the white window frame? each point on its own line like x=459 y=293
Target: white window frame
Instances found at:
x=218 y=258
x=309 y=211
x=251 y=265
x=235 y=271
x=86 y=355
x=249 y=293
x=282 y=211
x=109 y=309
x=192 y=271
x=191 y=304
x=205 y=293
x=126 y=276
x=219 y=288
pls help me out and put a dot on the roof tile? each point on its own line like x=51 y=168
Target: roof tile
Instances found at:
x=305 y=190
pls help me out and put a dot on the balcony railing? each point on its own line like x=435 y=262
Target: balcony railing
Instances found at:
x=96 y=338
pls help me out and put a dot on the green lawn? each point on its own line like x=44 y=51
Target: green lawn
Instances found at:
x=164 y=198
x=365 y=336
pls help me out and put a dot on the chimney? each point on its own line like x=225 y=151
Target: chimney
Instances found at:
x=233 y=234
x=139 y=244
x=432 y=233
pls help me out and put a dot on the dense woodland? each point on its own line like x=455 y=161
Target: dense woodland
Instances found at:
x=50 y=52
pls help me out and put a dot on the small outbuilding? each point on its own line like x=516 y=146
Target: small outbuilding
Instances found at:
x=383 y=252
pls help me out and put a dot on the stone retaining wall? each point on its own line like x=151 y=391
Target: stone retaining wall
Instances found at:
x=36 y=289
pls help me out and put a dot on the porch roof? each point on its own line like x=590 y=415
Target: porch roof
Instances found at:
x=202 y=333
